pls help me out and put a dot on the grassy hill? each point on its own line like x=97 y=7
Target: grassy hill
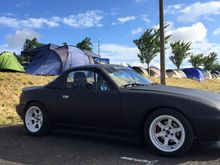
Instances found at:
x=11 y=85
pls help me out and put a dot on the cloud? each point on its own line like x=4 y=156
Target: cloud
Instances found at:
x=119 y=53
x=87 y=19
x=17 y=40
x=171 y=9
x=137 y=31
x=196 y=10
x=38 y=23
x=217 y=31
x=5 y=47
x=83 y=20
x=123 y=20
x=145 y=18
x=9 y=21
x=195 y=33
x=27 y=23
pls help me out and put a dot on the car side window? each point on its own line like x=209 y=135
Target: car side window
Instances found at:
x=102 y=85
x=81 y=80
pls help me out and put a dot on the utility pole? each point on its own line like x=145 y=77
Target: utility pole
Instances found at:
x=162 y=43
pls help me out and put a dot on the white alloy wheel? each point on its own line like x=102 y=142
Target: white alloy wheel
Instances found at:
x=33 y=119
x=167 y=133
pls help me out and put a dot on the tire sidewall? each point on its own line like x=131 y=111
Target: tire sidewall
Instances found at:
x=189 y=136
x=45 y=127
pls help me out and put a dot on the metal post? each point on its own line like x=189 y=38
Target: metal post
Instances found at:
x=162 y=43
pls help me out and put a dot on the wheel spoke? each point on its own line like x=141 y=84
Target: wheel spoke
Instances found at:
x=160 y=125
x=39 y=113
x=32 y=118
x=169 y=123
x=175 y=139
x=159 y=134
x=40 y=118
x=166 y=141
x=177 y=129
x=34 y=124
x=35 y=113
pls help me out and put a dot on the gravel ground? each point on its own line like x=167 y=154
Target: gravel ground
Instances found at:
x=64 y=148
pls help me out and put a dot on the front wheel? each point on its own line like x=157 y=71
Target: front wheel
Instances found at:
x=36 y=120
x=168 y=132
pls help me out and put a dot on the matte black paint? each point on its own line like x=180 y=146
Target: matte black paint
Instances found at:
x=123 y=110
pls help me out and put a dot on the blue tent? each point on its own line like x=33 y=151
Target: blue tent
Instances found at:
x=193 y=73
x=52 y=59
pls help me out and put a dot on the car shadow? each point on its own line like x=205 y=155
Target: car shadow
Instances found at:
x=68 y=148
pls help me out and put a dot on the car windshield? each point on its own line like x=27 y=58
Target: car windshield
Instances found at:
x=126 y=77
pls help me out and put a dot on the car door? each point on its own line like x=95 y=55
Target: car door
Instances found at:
x=89 y=100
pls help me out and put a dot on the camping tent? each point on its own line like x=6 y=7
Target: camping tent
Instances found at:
x=8 y=62
x=52 y=60
x=172 y=73
x=181 y=73
x=193 y=73
x=207 y=74
x=141 y=71
x=215 y=74
x=154 y=72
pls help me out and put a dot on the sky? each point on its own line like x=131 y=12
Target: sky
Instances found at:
x=115 y=23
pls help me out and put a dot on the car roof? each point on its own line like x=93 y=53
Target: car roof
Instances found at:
x=58 y=82
x=98 y=66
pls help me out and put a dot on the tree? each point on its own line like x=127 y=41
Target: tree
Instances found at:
x=19 y=58
x=197 y=60
x=215 y=67
x=85 y=44
x=180 y=50
x=32 y=43
x=65 y=44
x=210 y=60
x=149 y=45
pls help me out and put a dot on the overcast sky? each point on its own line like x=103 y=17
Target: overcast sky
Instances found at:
x=116 y=23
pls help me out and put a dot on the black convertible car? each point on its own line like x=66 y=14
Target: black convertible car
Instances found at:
x=116 y=101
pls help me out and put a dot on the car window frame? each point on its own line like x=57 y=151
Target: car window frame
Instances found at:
x=106 y=78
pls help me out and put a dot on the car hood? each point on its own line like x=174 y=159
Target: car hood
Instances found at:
x=193 y=93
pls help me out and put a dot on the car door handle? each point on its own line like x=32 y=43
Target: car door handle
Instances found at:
x=65 y=96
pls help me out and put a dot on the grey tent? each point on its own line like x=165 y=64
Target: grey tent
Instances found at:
x=207 y=74
x=141 y=71
x=172 y=73
x=182 y=74
x=154 y=72
x=52 y=59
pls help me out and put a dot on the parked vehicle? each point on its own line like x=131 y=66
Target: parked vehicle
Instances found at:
x=115 y=100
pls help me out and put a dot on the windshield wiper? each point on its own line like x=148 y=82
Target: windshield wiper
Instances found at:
x=132 y=84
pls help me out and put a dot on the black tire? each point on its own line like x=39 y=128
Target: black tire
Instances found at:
x=44 y=127
x=158 y=145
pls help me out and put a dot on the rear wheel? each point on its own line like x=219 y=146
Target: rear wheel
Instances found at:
x=168 y=132
x=36 y=120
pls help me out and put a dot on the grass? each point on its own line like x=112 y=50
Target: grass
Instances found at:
x=11 y=85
